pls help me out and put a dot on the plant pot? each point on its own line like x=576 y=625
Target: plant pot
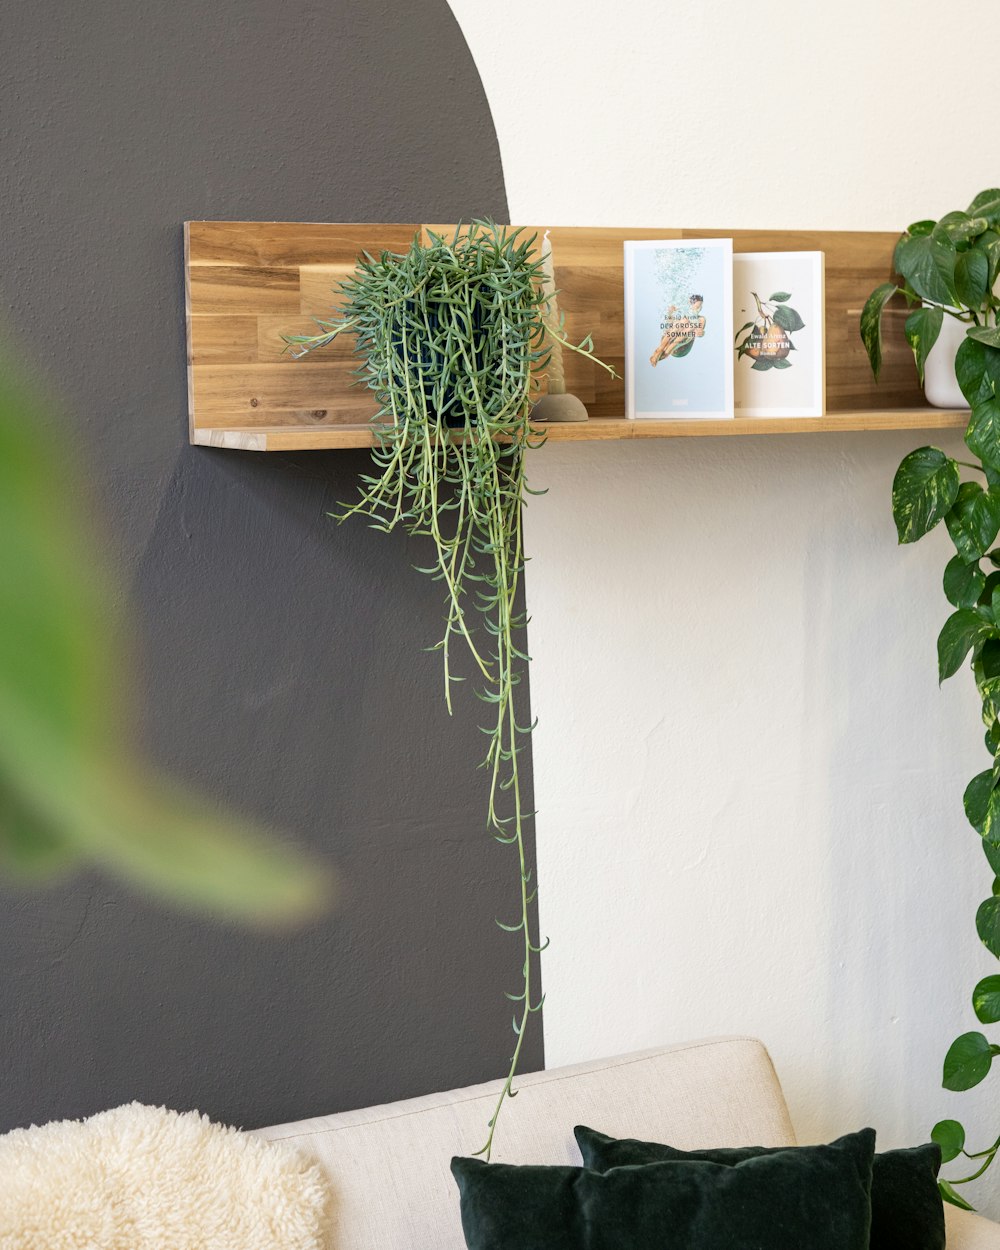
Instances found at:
x=940 y=384
x=427 y=364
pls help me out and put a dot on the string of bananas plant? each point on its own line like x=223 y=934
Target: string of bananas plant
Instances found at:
x=950 y=268
x=452 y=336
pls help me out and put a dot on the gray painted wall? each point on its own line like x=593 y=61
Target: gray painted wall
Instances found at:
x=282 y=655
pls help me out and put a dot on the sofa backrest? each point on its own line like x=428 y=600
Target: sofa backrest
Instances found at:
x=389 y=1166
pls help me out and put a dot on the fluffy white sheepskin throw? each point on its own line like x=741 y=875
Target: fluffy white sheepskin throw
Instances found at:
x=141 y=1177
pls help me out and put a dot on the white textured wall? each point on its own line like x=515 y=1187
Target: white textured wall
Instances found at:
x=749 y=783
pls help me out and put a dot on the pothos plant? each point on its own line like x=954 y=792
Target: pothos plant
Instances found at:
x=949 y=268
x=452 y=336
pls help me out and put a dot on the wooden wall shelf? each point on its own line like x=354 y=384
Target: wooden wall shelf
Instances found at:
x=248 y=283
x=599 y=429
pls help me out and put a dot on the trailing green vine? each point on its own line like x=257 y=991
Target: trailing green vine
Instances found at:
x=950 y=268
x=451 y=336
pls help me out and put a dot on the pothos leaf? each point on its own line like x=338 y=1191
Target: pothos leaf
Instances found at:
x=989 y=335
x=967 y=1062
x=974 y=520
x=962 y=631
x=982 y=435
x=988 y=925
x=989 y=211
x=987 y=662
x=950 y=1136
x=963 y=582
x=959 y=226
x=922 y=329
x=977 y=798
x=988 y=244
x=972 y=272
x=982 y=806
x=984 y=198
x=977 y=369
x=923 y=491
x=871 y=323
x=950 y=1194
x=986 y=1001
x=989 y=692
x=928 y=265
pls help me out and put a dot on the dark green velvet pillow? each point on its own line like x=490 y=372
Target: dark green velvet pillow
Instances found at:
x=906 y=1208
x=817 y=1197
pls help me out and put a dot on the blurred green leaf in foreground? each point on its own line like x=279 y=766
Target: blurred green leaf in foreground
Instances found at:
x=71 y=789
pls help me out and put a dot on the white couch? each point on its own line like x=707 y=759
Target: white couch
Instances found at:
x=388 y=1166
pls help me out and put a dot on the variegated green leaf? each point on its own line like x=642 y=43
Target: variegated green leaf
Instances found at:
x=982 y=437
x=922 y=329
x=986 y=1000
x=924 y=490
x=989 y=692
x=973 y=521
x=959 y=226
x=972 y=271
x=987 y=335
x=977 y=369
x=963 y=583
x=985 y=202
x=928 y=265
x=988 y=925
x=871 y=323
x=982 y=802
x=962 y=631
x=988 y=244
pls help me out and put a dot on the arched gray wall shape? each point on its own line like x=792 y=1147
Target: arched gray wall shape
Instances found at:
x=282 y=654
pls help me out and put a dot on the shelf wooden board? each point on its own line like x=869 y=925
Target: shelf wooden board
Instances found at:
x=598 y=429
x=250 y=283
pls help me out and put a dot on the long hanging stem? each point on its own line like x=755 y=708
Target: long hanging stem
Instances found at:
x=451 y=336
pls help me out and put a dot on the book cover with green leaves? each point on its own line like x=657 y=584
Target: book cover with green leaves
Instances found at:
x=778 y=344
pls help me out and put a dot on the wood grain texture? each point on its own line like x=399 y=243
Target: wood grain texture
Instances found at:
x=320 y=436
x=248 y=283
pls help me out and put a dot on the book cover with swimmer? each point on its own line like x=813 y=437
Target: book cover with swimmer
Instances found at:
x=679 y=328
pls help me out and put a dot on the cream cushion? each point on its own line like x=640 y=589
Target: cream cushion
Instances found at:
x=389 y=1166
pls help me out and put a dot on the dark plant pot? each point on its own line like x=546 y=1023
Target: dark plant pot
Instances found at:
x=428 y=364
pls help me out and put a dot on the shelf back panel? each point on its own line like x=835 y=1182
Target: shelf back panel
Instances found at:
x=249 y=283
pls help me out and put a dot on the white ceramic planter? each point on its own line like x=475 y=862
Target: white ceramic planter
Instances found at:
x=940 y=385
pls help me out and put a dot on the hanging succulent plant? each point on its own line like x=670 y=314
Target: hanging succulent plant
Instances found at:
x=452 y=336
